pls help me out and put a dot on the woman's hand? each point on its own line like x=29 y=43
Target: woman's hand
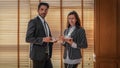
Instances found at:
x=69 y=40
x=61 y=38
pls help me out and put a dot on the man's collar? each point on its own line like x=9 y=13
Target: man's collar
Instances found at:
x=41 y=18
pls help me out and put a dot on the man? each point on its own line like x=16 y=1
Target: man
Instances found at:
x=39 y=36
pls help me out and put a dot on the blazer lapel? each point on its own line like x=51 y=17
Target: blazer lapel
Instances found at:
x=66 y=31
x=74 y=32
x=40 y=25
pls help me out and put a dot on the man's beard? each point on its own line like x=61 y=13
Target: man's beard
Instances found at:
x=43 y=15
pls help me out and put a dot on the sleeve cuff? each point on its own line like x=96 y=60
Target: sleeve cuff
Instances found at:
x=74 y=45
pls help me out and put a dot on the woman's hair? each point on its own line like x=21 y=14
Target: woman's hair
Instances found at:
x=77 y=24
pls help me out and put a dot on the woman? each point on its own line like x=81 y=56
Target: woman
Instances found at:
x=73 y=40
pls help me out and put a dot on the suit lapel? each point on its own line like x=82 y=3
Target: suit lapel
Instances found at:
x=39 y=24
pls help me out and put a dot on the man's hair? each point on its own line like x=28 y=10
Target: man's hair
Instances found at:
x=43 y=3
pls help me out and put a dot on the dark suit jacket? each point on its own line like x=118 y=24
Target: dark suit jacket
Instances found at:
x=79 y=37
x=34 y=35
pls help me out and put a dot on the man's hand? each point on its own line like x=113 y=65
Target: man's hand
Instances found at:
x=46 y=39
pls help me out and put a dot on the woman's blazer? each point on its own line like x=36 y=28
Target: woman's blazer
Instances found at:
x=79 y=37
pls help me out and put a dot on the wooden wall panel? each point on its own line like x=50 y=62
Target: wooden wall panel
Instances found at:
x=119 y=65
x=118 y=33
x=97 y=31
x=107 y=31
x=108 y=65
x=107 y=28
x=118 y=28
